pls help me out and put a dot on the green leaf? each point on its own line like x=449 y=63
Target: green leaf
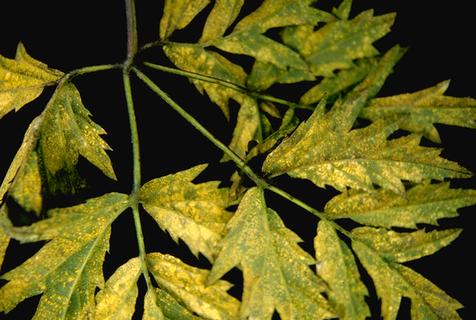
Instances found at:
x=337 y=267
x=338 y=82
x=68 y=268
x=425 y=203
x=223 y=14
x=117 y=299
x=194 y=58
x=188 y=285
x=419 y=111
x=151 y=310
x=338 y=43
x=403 y=247
x=326 y=151
x=22 y=80
x=178 y=14
x=192 y=212
x=275 y=269
x=48 y=156
x=394 y=281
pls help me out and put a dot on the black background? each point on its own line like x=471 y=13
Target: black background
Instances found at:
x=70 y=34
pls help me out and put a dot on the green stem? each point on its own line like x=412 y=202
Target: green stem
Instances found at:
x=305 y=206
x=91 y=69
x=131 y=29
x=197 y=125
x=238 y=161
x=134 y=197
x=228 y=84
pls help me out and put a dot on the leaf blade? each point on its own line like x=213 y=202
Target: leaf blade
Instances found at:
x=22 y=80
x=187 y=284
x=426 y=203
x=193 y=212
x=178 y=14
x=336 y=266
x=118 y=297
x=275 y=268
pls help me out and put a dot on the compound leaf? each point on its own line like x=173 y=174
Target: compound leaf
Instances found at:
x=326 y=151
x=423 y=203
x=188 y=285
x=419 y=111
x=338 y=43
x=68 y=268
x=394 y=281
x=275 y=269
x=178 y=14
x=22 y=80
x=118 y=297
x=193 y=212
x=337 y=267
x=407 y=246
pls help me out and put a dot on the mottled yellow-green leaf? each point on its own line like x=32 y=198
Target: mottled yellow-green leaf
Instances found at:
x=337 y=267
x=338 y=43
x=425 y=203
x=343 y=10
x=281 y=13
x=18 y=164
x=27 y=187
x=264 y=75
x=419 y=111
x=326 y=150
x=68 y=268
x=4 y=238
x=247 y=127
x=275 y=269
x=171 y=308
x=178 y=14
x=22 y=80
x=47 y=158
x=187 y=284
x=288 y=124
x=394 y=281
x=338 y=82
x=67 y=132
x=117 y=300
x=194 y=58
x=151 y=309
x=223 y=14
x=404 y=246
x=261 y=48
x=192 y=212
